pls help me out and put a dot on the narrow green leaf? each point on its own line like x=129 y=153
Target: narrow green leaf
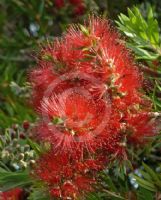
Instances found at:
x=145 y=184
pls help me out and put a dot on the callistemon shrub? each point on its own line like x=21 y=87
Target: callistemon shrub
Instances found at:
x=87 y=91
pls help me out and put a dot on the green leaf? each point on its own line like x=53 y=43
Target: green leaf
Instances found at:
x=144 y=194
x=146 y=175
x=154 y=175
x=143 y=34
x=113 y=194
x=10 y=180
x=109 y=182
x=145 y=184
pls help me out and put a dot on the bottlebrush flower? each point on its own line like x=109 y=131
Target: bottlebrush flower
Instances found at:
x=96 y=56
x=15 y=194
x=87 y=91
x=140 y=128
x=66 y=177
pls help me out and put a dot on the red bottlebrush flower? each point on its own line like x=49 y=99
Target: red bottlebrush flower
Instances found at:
x=95 y=53
x=59 y=3
x=53 y=170
x=140 y=128
x=15 y=194
x=88 y=93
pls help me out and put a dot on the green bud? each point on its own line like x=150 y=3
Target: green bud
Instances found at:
x=18 y=147
x=5 y=154
x=23 y=164
x=31 y=154
x=21 y=156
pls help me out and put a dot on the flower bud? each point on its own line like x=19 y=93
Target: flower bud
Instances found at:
x=18 y=147
x=23 y=164
x=5 y=154
x=26 y=125
x=22 y=135
x=21 y=156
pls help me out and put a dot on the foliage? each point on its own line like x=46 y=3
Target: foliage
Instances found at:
x=10 y=180
x=144 y=39
x=144 y=34
x=150 y=180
